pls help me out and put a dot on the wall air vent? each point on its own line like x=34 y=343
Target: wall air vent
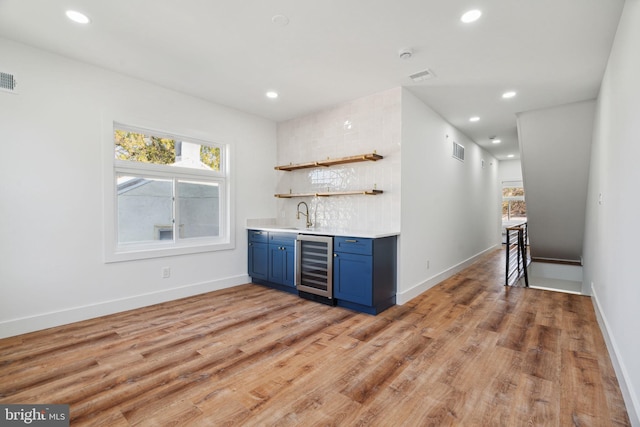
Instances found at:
x=7 y=82
x=422 y=76
x=458 y=151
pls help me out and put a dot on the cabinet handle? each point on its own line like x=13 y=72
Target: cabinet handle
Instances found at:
x=351 y=241
x=335 y=255
x=250 y=244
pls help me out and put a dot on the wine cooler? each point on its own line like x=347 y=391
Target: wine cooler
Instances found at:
x=314 y=265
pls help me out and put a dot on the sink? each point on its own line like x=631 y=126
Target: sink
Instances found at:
x=297 y=228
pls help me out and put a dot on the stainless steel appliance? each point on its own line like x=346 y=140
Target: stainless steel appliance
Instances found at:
x=314 y=265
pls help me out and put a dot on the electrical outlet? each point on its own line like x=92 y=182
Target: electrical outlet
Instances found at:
x=428 y=264
x=166 y=272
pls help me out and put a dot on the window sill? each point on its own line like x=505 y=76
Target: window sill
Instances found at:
x=138 y=253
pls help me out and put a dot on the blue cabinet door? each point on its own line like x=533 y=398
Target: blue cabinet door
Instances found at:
x=258 y=260
x=276 y=256
x=353 y=277
x=281 y=264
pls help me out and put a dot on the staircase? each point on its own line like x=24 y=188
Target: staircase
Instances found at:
x=555 y=147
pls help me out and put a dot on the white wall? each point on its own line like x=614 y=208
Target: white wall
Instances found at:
x=612 y=231
x=364 y=125
x=509 y=170
x=450 y=210
x=52 y=268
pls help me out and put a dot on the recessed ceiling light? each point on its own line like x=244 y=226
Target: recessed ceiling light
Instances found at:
x=496 y=141
x=509 y=94
x=510 y=156
x=471 y=16
x=271 y=94
x=78 y=17
x=474 y=119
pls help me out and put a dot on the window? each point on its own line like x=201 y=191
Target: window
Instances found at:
x=513 y=205
x=171 y=194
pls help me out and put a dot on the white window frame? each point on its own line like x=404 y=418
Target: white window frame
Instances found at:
x=115 y=252
x=512 y=184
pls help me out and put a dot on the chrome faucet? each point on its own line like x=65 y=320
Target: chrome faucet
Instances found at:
x=306 y=214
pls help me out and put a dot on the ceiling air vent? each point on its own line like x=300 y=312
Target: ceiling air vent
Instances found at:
x=422 y=76
x=7 y=82
x=458 y=151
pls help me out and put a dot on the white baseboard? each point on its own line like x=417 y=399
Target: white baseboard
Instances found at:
x=626 y=386
x=406 y=296
x=38 y=322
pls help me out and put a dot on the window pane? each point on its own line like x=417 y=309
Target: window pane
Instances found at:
x=145 y=209
x=513 y=204
x=210 y=156
x=512 y=191
x=514 y=210
x=146 y=148
x=198 y=209
x=197 y=156
x=518 y=209
x=138 y=147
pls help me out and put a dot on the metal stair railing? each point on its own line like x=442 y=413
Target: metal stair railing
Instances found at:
x=517 y=257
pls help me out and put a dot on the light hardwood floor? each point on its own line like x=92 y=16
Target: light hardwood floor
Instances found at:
x=468 y=352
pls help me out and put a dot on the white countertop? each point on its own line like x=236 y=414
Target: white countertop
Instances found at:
x=326 y=231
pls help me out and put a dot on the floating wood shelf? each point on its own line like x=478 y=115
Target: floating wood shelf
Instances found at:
x=330 y=193
x=331 y=162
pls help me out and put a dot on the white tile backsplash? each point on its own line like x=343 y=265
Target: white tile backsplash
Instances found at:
x=361 y=126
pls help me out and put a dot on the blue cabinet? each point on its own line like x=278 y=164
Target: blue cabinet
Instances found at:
x=282 y=259
x=364 y=273
x=352 y=277
x=272 y=259
x=258 y=267
x=364 y=270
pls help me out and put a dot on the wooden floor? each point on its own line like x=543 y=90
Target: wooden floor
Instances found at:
x=468 y=352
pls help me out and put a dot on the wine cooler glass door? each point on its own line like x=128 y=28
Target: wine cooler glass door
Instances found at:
x=314 y=265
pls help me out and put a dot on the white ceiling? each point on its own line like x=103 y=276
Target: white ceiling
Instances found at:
x=230 y=52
